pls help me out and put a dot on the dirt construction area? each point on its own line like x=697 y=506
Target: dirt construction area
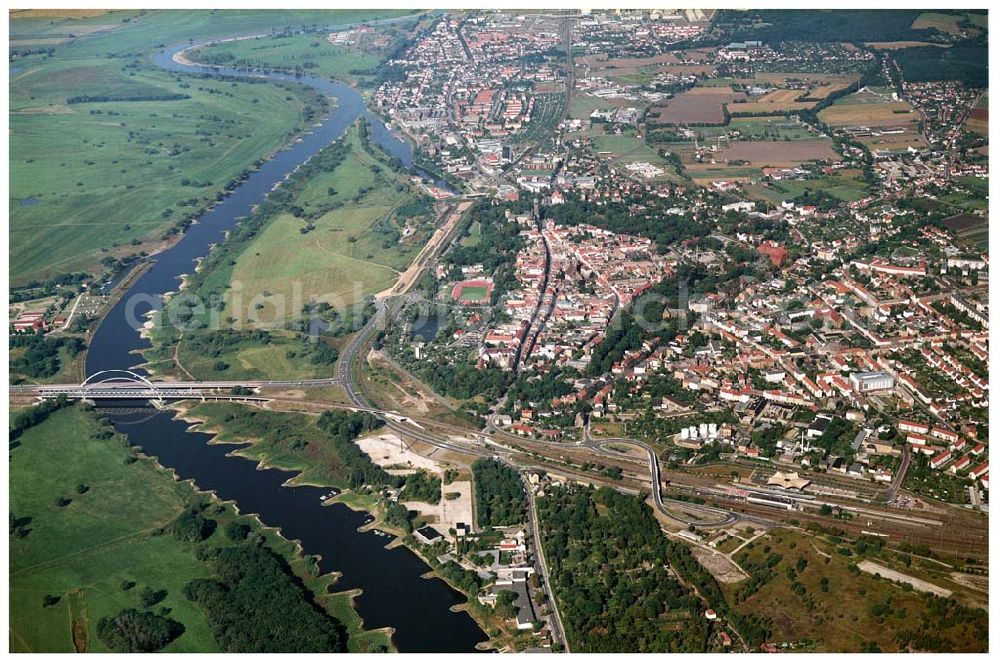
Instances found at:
x=896 y=576
x=456 y=503
x=387 y=451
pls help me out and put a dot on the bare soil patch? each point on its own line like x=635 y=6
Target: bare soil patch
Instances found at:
x=701 y=105
x=779 y=153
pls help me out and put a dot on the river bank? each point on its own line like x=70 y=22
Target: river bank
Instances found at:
x=242 y=445
x=93 y=570
x=390 y=591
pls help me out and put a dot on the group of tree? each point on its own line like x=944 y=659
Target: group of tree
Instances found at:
x=499 y=494
x=609 y=564
x=41 y=355
x=255 y=604
x=343 y=428
x=132 y=631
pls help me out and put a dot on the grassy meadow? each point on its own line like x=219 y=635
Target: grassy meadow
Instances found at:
x=310 y=53
x=109 y=176
x=351 y=252
x=83 y=552
x=345 y=230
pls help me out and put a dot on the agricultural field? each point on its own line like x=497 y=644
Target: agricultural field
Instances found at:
x=807 y=86
x=778 y=154
x=947 y=23
x=899 y=45
x=49 y=27
x=909 y=138
x=979 y=116
x=699 y=105
x=971 y=197
x=763 y=107
x=972 y=228
x=766 y=129
x=871 y=109
x=642 y=70
x=818 y=600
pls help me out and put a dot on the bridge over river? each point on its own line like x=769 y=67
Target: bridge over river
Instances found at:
x=124 y=384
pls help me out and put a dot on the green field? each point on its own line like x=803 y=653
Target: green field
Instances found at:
x=345 y=228
x=473 y=293
x=473 y=236
x=111 y=175
x=105 y=180
x=82 y=552
x=101 y=538
x=350 y=254
x=283 y=357
x=844 y=188
x=311 y=54
x=134 y=31
x=619 y=145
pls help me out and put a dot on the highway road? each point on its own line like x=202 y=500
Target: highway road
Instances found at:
x=728 y=517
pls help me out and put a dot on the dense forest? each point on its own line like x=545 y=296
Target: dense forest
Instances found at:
x=499 y=494
x=965 y=62
x=609 y=564
x=852 y=25
x=256 y=604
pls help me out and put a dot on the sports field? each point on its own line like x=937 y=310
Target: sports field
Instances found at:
x=472 y=291
x=473 y=294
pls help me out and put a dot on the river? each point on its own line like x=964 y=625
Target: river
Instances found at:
x=394 y=593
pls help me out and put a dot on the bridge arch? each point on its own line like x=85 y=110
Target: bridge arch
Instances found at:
x=125 y=375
